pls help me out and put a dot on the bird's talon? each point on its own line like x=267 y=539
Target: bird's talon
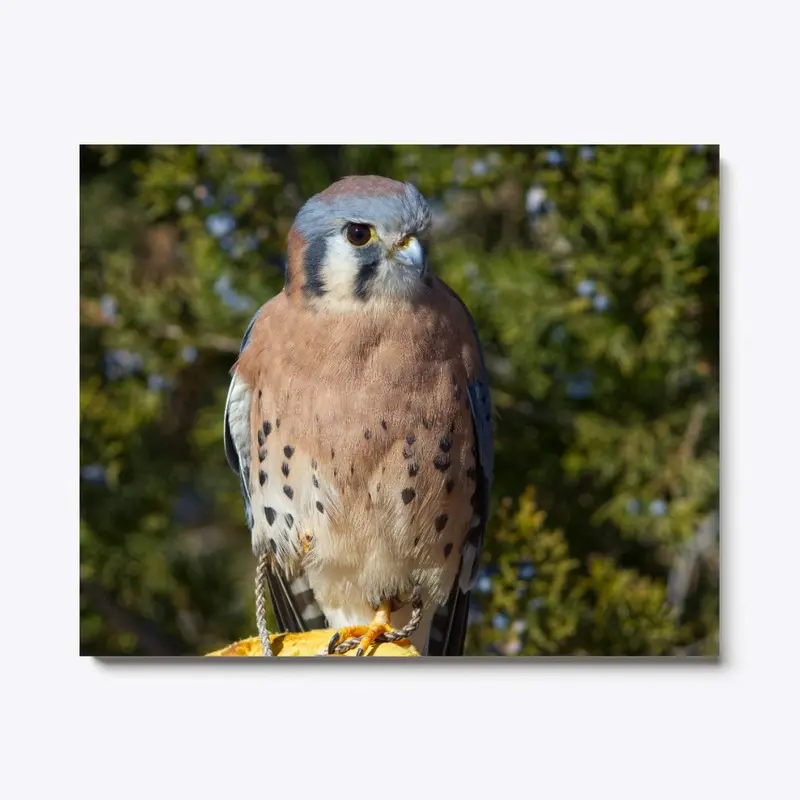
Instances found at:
x=369 y=635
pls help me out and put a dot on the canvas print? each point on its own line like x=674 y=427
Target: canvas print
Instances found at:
x=399 y=401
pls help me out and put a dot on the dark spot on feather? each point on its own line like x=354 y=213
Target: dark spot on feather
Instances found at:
x=426 y=423
x=267 y=428
x=313 y=463
x=445 y=443
x=408 y=495
x=270 y=514
x=273 y=545
x=335 y=472
x=367 y=434
x=411 y=438
x=289 y=519
x=448 y=549
x=320 y=507
x=288 y=451
x=352 y=469
x=315 y=481
x=378 y=488
x=262 y=477
x=333 y=454
x=441 y=463
x=440 y=522
x=288 y=491
x=384 y=425
x=413 y=469
x=260 y=438
x=407 y=452
x=452 y=426
x=277 y=423
x=449 y=485
x=416 y=541
x=285 y=469
x=313 y=260
x=262 y=453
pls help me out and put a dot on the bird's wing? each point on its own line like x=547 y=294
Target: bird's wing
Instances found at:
x=449 y=627
x=292 y=600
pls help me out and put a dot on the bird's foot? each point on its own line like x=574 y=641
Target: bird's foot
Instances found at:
x=379 y=630
x=363 y=636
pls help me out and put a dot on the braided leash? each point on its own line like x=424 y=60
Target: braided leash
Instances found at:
x=261 y=603
x=390 y=636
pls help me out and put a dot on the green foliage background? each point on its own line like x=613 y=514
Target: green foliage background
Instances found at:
x=593 y=275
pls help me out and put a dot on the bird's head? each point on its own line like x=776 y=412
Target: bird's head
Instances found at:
x=360 y=243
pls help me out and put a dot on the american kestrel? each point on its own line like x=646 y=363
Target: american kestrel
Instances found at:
x=359 y=421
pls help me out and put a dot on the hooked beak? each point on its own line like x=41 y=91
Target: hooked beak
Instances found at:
x=409 y=253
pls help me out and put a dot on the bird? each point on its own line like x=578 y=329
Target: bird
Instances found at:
x=359 y=421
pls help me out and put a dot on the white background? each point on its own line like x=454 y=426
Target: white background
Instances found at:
x=589 y=72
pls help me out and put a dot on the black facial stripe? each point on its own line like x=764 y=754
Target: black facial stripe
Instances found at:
x=313 y=259
x=368 y=260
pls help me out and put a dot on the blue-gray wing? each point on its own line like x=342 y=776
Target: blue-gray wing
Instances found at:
x=481 y=403
x=234 y=413
x=236 y=429
x=450 y=622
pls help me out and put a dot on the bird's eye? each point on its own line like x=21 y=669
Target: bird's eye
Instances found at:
x=358 y=235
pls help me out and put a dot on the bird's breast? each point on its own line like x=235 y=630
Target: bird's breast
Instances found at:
x=373 y=427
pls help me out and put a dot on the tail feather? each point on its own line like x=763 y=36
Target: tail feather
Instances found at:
x=293 y=602
x=449 y=626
